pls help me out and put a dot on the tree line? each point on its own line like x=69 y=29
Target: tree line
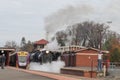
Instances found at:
x=91 y=34
x=24 y=45
x=87 y=34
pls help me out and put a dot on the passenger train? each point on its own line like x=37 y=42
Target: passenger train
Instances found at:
x=19 y=59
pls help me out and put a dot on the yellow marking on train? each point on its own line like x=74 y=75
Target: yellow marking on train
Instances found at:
x=22 y=53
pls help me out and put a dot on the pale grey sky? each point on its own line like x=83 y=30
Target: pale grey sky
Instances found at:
x=25 y=18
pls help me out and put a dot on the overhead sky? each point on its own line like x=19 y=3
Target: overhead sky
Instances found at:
x=28 y=18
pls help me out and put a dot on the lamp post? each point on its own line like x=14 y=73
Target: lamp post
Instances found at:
x=106 y=63
x=100 y=53
x=100 y=39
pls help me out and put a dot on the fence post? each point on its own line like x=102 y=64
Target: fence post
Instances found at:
x=104 y=70
x=112 y=65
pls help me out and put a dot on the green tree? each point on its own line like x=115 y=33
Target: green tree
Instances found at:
x=61 y=38
x=115 y=56
x=108 y=44
x=23 y=41
x=112 y=44
x=23 y=44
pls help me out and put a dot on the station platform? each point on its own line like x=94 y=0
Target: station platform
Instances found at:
x=11 y=73
x=80 y=71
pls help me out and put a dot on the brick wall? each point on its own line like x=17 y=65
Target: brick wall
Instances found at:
x=86 y=60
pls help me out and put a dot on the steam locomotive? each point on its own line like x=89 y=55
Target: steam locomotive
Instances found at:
x=48 y=56
x=44 y=56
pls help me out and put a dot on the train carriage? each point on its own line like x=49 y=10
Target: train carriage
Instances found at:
x=19 y=59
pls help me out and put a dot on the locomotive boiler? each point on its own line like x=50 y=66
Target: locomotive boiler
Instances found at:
x=44 y=56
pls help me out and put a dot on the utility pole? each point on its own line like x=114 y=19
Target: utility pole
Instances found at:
x=101 y=39
x=47 y=35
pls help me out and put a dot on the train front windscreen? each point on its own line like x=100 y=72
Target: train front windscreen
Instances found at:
x=22 y=58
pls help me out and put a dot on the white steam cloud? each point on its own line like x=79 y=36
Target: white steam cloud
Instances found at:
x=54 y=67
x=52 y=46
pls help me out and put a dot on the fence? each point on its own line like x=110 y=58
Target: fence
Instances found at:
x=114 y=69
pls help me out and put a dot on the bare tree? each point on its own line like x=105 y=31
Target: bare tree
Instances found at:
x=29 y=46
x=10 y=44
x=90 y=33
x=85 y=34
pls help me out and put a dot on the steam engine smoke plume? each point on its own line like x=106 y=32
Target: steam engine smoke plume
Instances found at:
x=48 y=67
x=85 y=11
x=65 y=17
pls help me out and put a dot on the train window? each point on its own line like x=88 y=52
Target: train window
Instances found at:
x=22 y=58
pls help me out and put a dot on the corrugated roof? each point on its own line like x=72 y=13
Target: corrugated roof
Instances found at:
x=7 y=49
x=97 y=50
x=42 y=41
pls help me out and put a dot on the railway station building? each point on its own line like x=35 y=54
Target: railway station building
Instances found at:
x=7 y=52
x=88 y=56
x=40 y=44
